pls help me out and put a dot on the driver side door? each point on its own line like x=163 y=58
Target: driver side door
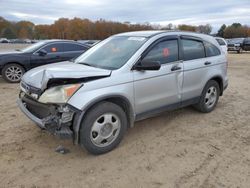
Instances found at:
x=54 y=53
x=159 y=90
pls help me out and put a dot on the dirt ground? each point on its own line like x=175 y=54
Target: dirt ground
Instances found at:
x=183 y=148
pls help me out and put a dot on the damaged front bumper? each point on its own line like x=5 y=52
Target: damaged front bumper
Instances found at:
x=57 y=119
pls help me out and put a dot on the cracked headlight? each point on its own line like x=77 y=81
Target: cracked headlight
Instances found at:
x=59 y=94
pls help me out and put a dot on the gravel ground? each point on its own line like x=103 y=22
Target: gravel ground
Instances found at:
x=183 y=148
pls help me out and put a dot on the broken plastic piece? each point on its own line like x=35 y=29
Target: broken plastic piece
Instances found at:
x=62 y=150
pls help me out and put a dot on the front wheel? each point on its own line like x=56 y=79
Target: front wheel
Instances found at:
x=209 y=98
x=103 y=128
x=12 y=73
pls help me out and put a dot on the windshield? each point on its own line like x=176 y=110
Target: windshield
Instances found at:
x=33 y=47
x=111 y=53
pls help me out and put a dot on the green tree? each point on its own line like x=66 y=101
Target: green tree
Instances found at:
x=221 y=30
x=8 y=33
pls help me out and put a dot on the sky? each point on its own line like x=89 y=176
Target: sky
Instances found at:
x=194 y=12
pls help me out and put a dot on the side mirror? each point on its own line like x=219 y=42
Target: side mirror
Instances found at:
x=148 y=65
x=42 y=52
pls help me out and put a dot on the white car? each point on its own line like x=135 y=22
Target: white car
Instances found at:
x=125 y=78
x=223 y=43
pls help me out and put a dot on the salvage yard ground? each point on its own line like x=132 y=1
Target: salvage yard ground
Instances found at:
x=183 y=148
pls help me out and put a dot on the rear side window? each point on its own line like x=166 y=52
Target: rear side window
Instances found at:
x=193 y=49
x=73 y=47
x=53 y=48
x=211 y=50
x=221 y=42
x=164 y=52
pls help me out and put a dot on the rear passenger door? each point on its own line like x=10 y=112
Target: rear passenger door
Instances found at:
x=72 y=50
x=199 y=58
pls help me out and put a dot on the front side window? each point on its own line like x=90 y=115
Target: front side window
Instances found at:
x=53 y=48
x=193 y=49
x=211 y=50
x=163 y=52
x=111 y=53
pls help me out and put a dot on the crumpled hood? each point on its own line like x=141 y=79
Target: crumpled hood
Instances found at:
x=39 y=77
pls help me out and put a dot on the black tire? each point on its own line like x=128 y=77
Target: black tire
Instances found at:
x=94 y=115
x=16 y=77
x=239 y=51
x=203 y=104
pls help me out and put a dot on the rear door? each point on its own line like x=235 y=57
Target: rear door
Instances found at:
x=194 y=60
x=72 y=50
x=157 y=90
x=200 y=59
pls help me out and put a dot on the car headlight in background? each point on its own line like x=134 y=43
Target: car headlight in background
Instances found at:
x=59 y=94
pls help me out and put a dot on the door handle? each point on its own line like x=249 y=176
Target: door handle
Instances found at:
x=207 y=63
x=175 y=68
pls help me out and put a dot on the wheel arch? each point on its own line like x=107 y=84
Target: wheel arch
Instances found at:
x=15 y=62
x=219 y=80
x=119 y=100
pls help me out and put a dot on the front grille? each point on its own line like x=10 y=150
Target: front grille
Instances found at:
x=38 y=109
x=30 y=89
x=230 y=45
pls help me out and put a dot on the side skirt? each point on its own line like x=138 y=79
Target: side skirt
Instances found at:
x=155 y=112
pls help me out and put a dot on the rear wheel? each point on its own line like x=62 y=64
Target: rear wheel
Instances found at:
x=12 y=73
x=103 y=128
x=209 y=97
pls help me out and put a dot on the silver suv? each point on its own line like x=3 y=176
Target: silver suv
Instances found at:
x=123 y=79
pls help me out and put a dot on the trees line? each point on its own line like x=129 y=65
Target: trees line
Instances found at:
x=78 y=28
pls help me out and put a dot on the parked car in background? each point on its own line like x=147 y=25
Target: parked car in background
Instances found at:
x=21 y=41
x=4 y=40
x=123 y=79
x=246 y=44
x=89 y=42
x=223 y=44
x=235 y=45
x=14 y=64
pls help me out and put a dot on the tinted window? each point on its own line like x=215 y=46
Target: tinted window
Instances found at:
x=221 y=42
x=164 y=52
x=53 y=48
x=211 y=50
x=73 y=47
x=192 y=49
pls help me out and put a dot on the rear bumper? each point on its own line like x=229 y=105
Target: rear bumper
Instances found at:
x=56 y=120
